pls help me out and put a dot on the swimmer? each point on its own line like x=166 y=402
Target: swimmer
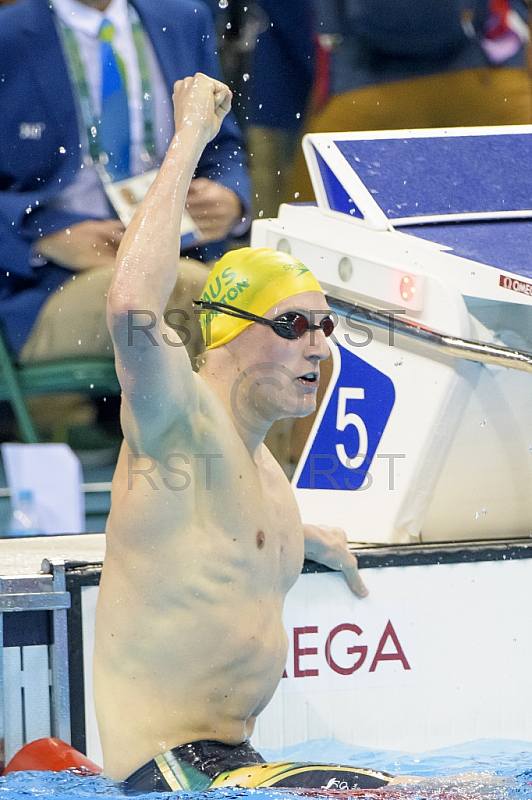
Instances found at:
x=204 y=536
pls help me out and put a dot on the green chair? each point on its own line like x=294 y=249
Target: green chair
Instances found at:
x=94 y=376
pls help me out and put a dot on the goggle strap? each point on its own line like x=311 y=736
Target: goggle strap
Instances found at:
x=232 y=311
x=240 y=313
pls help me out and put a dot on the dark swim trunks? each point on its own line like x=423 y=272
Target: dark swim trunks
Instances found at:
x=209 y=764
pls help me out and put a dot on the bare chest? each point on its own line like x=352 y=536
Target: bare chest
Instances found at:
x=259 y=521
x=239 y=521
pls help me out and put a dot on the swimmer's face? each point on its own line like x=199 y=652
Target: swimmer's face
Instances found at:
x=283 y=374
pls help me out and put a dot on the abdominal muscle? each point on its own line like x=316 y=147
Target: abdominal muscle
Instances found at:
x=190 y=642
x=176 y=682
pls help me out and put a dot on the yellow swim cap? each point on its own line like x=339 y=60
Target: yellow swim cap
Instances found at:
x=253 y=279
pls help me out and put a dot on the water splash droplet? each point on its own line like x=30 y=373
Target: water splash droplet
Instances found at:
x=223 y=3
x=245 y=76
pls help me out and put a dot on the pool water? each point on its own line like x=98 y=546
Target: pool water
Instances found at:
x=504 y=770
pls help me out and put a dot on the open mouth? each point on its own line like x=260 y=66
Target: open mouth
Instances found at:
x=309 y=379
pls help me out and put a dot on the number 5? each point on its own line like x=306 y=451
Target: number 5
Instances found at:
x=343 y=420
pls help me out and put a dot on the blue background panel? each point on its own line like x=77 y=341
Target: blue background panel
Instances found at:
x=337 y=196
x=323 y=468
x=444 y=174
x=503 y=244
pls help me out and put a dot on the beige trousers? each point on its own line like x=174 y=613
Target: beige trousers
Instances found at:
x=72 y=322
x=484 y=96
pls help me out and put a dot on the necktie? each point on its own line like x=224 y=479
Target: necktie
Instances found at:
x=113 y=129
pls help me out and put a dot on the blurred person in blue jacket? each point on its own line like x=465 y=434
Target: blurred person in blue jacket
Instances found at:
x=59 y=232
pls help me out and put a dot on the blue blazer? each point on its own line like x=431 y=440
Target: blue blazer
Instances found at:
x=40 y=151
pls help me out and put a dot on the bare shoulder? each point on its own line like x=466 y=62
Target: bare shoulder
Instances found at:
x=163 y=493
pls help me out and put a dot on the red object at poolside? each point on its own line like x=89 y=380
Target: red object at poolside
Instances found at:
x=51 y=754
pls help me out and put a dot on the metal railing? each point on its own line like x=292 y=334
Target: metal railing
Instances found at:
x=34 y=685
x=469 y=349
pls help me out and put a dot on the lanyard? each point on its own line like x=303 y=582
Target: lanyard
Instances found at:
x=86 y=107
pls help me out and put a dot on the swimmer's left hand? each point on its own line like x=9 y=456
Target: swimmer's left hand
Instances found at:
x=329 y=546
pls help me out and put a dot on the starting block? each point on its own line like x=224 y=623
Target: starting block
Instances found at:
x=422 y=241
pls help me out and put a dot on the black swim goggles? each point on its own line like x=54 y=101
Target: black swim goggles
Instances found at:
x=290 y=325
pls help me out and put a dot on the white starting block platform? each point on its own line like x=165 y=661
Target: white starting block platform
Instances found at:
x=422 y=241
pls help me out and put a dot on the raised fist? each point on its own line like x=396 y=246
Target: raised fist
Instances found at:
x=203 y=101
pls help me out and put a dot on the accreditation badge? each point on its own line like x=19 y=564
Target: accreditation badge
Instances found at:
x=126 y=195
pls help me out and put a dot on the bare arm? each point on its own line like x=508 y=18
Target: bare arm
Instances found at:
x=157 y=379
x=329 y=546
